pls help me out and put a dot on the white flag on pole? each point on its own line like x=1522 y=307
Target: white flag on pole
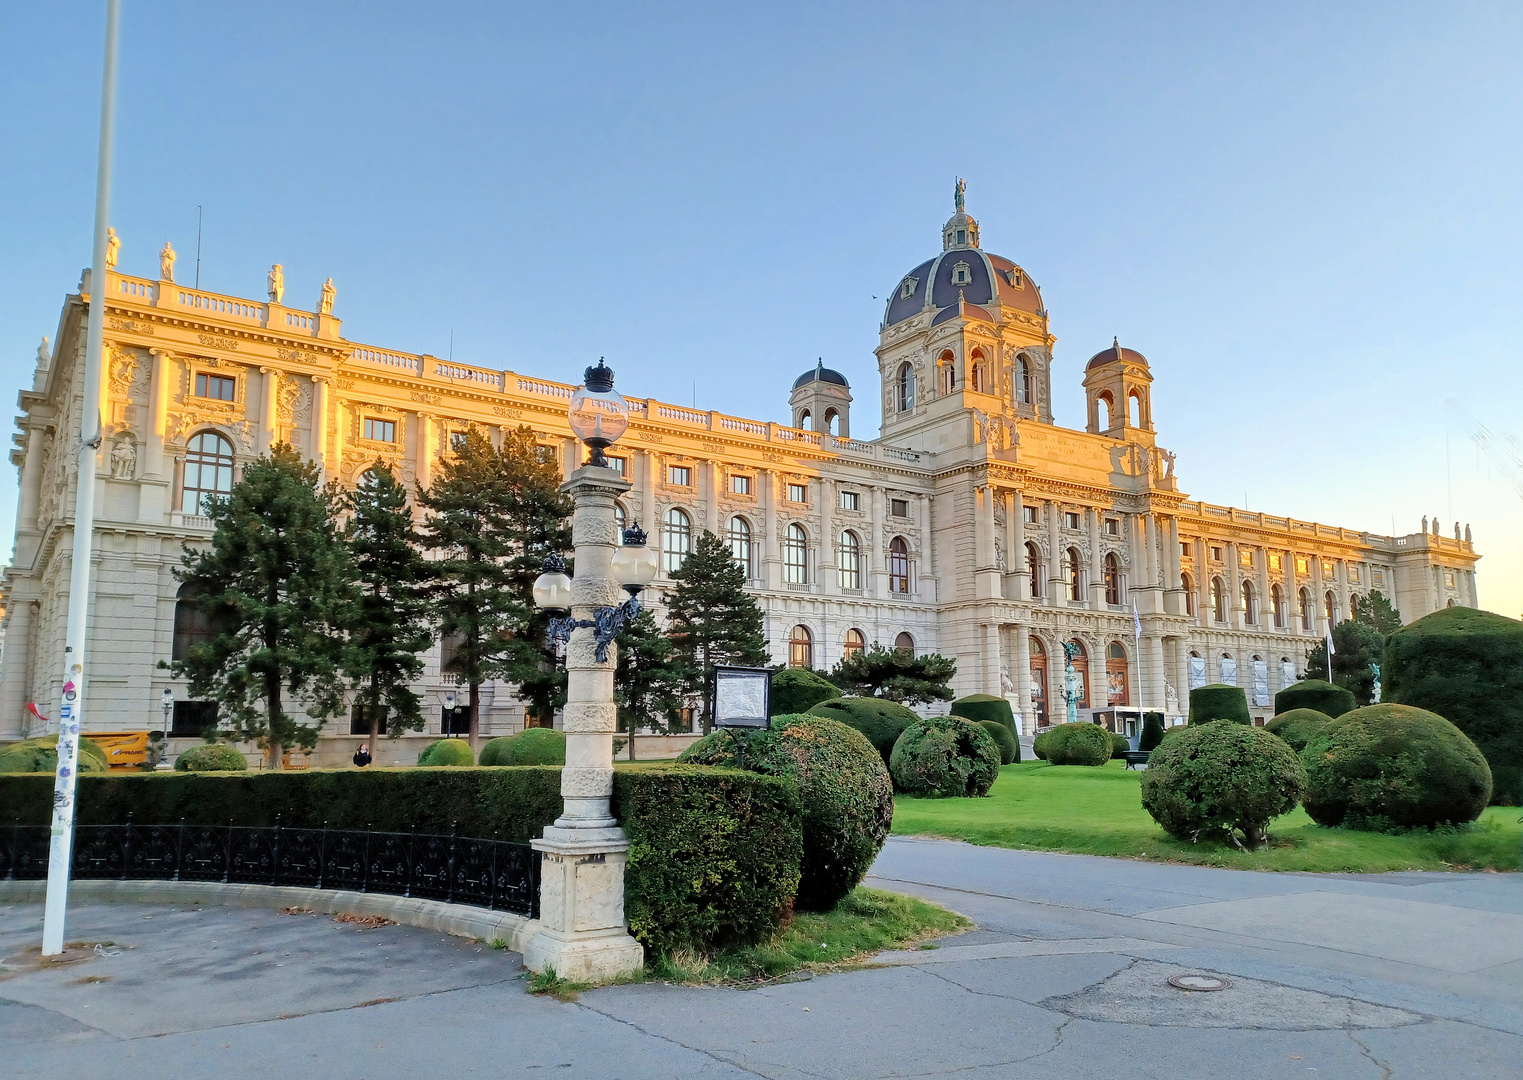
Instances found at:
x=1136 y=621
x=1330 y=654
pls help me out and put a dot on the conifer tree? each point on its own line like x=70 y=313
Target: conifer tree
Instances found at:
x=711 y=618
x=391 y=627
x=648 y=678
x=1376 y=611
x=275 y=586
x=896 y=674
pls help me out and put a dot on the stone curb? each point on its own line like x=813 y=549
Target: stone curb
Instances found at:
x=460 y=920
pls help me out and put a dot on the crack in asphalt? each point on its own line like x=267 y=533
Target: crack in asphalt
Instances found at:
x=711 y=1054
x=1385 y=1070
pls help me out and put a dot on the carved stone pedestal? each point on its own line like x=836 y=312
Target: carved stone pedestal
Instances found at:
x=581 y=907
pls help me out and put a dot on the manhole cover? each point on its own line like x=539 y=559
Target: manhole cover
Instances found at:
x=1198 y=982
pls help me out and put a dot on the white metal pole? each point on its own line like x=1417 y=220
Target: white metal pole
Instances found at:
x=71 y=712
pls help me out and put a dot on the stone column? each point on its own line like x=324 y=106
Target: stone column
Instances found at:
x=582 y=933
x=271 y=382
x=158 y=415
x=1153 y=698
x=1266 y=602
x=828 y=578
x=318 y=449
x=875 y=572
x=709 y=471
x=1340 y=574
x=1173 y=561
x=18 y=660
x=1096 y=560
x=31 y=482
x=1099 y=696
x=1292 y=593
x=1319 y=605
x=648 y=517
x=991 y=659
x=1057 y=585
x=1015 y=526
x=1150 y=548
x=427 y=450
x=1202 y=582
x=986 y=569
x=1235 y=614
x=772 y=569
x=1022 y=677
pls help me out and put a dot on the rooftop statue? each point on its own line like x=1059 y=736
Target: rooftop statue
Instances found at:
x=113 y=246
x=276 y=284
x=325 y=305
x=957 y=194
x=167 y=262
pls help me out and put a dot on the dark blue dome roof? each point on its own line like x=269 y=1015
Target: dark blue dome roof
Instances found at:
x=821 y=373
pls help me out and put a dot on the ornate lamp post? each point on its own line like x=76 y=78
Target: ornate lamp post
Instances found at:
x=169 y=704
x=582 y=931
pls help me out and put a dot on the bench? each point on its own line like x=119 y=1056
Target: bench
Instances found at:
x=1137 y=757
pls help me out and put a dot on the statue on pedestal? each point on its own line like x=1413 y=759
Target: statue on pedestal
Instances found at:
x=1071 y=681
x=167 y=262
x=1170 y=699
x=123 y=459
x=276 y=284
x=113 y=246
x=1375 y=691
x=325 y=304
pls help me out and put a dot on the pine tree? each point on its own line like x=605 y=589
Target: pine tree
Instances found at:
x=275 y=585
x=492 y=517
x=648 y=678
x=391 y=627
x=711 y=618
x=1376 y=611
x=896 y=674
x=1356 y=646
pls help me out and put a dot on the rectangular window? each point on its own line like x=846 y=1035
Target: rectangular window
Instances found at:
x=1328 y=571
x=1274 y=562
x=1378 y=577
x=1112 y=527
x=899 y=507
x=850 y=500
x=456 y=444
x=1449 y=578
x=798 y=493
x=193 y=717
x=1301 y=565
x=1029 y=513
x=740 y=485
x=1071 y=519
x=618 y=465
x=1245 y=556
x=679 y=476
x=1353 y=574
x=1216 y=553
x=380 y=430
x=216 y=387
x=1184 y=549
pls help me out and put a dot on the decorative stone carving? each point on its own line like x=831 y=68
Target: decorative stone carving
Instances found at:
x=122 y=368
x=167 y=262
x=325 y=302
x=124 y=457
x=276 y=284
x=582 y=783
x=113 y=248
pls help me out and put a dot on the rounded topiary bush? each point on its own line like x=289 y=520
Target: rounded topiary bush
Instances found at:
x=1080 y=743
x=1039 y=745
x=1218 y=701
x=1323 y=697
x=447 y=752
x=977 y=707
x=847 y=797
x=1120 y=746
x=41 y=756
x=1467 y=666
x=1222 y=780
x=211 y=757
x=945 y=757
x=1394 y=766
x=1009 y=749
x=532 y=746
x=1152 y=731
x=882 y=721
x=795 y=690
x=1298 y=727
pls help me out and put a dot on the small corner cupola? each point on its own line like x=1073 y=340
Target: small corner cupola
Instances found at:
x=960 y=231
x=821 y=401
x=1117 y=390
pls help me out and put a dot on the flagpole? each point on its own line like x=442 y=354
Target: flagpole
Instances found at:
x=71 y=711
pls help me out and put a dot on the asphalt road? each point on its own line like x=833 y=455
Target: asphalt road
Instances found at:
x=1389 y=976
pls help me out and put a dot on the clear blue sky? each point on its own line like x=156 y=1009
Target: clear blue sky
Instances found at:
x=1306 y=216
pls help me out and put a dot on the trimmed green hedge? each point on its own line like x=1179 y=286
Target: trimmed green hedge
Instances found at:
x=41 y=756
x=1220 y=779
x=881 y=720
x=846 y=796
x=714 y=855
x=945 y=757
x=1039 y=745
x=447 y=752
x=1079 y=743
x=1218 y=701
x=1466 y=666
x=978 y=707
x=532 y=746
x=211 y=757
x=1120 y=745
x=1152 y=731
x=797 y=690
x=1009 y=748
x=1298 y=727
x=1315 y=694
x=1394 y=766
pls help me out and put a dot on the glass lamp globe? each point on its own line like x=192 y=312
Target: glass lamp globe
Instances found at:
x=552 y=589
x=634 y=564
x=598 y=414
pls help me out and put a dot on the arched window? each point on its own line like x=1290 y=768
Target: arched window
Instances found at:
x=804 y=418
x=676 y=539
x=854 y=645
x=946 y=373
x=898 y=566
x=906 y=388
x=1073 y=570
x=740 y=543
x=364 y=482
x=977 y=381
x=1188 y=586
x=208 y=471
x=1034 y=569
x=619 y=519
x=192 y=625
x=1117 y=684
x=1250 y=615
x=849 y=560
x=1277 y=601
x=1022 y=380
x=1305 y=609
x=1218 y=600
x=1330 y=606
x=832 y=423
x=1081 y=669
x=795 y=555
x=1038 y=680
x=1104 y=406
x=801 y=647
x=1112 y=580
x=1134 y=408
x=905 y=643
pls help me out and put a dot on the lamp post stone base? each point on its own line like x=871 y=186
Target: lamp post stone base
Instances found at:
x=581 y=907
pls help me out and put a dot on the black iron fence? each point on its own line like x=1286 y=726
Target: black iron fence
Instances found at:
x=494 y=874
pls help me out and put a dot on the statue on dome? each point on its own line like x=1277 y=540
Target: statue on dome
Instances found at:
x=167 y=262
x=113 y=245
x=957 y=194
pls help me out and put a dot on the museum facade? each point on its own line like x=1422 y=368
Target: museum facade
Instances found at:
x=974 y=525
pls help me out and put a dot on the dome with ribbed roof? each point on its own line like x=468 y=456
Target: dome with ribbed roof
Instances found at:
x=1114 y=353
x=821 y=373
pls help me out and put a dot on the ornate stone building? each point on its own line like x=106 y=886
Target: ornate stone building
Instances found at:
x=974 y=525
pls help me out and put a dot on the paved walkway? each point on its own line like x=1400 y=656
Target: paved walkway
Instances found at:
x=1395 y=976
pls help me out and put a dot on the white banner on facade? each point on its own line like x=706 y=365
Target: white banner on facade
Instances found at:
x=1261 y=682
x=1197 y=672
x=1229 y=671
x=1287 y=673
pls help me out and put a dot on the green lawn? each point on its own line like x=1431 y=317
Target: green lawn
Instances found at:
x=1098 y=811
